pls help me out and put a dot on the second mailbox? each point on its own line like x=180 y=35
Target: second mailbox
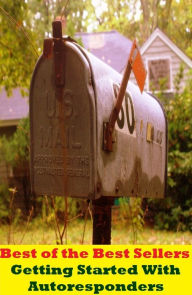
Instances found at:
x=71 y=98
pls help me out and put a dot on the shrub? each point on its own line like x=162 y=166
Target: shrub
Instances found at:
x=175 y=213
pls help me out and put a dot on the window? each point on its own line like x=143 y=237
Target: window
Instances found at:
x=159 y=74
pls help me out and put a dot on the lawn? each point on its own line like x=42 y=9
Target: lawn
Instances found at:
x=39 y=233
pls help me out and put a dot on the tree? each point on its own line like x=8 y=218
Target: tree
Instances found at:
x=18 y=50
x=139 y=18
x=173 y=17
x=24 y=25
x=179 y=27
x=78 y=15
x=154 y=12
x=119 y=15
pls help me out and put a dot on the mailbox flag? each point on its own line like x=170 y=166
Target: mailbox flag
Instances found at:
x=137 y=66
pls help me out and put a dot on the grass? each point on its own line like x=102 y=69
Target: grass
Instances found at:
x=39 y=233
x=46 y=228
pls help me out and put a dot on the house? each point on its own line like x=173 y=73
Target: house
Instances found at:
x=162 y=58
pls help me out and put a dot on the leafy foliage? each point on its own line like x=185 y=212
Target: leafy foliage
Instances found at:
x=131 y=215
x=18 y=51
x=4 y=203
x=175 y=213
x=15 y=150
x=24 y=25
x=138 y=19
x=78 y=15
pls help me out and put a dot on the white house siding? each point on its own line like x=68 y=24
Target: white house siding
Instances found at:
x=158 y=49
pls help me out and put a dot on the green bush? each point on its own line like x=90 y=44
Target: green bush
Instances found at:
x=4 y=203
x=15 y=150
x=175 y=212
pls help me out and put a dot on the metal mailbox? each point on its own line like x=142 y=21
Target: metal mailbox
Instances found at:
x=71 y=97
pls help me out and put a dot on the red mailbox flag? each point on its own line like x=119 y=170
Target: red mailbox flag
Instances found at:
x=137 y=66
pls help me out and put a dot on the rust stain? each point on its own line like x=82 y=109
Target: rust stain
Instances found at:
x=48 y=48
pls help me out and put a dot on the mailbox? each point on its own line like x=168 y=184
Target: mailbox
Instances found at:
x=71 y=97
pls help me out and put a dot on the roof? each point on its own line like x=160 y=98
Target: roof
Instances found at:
x=111 y=47
x=13 y=108
x=158 y=33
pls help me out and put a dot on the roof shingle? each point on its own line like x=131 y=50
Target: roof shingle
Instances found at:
x=15 y=107
x=111 y=47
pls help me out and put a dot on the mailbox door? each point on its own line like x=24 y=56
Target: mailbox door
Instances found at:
x=63 y=128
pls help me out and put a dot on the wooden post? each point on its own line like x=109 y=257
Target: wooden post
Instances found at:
x=102 y=220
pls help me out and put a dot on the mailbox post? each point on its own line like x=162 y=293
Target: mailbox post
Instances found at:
x=72 y=96
x=102 y=210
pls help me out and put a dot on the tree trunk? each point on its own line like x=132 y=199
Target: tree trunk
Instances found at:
x=145 y=5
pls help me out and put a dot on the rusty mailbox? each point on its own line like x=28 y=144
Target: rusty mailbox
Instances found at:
x=71 y=97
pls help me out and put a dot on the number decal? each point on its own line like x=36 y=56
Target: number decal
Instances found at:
x=131 y=125
x=129 y=111
x=120 y=121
